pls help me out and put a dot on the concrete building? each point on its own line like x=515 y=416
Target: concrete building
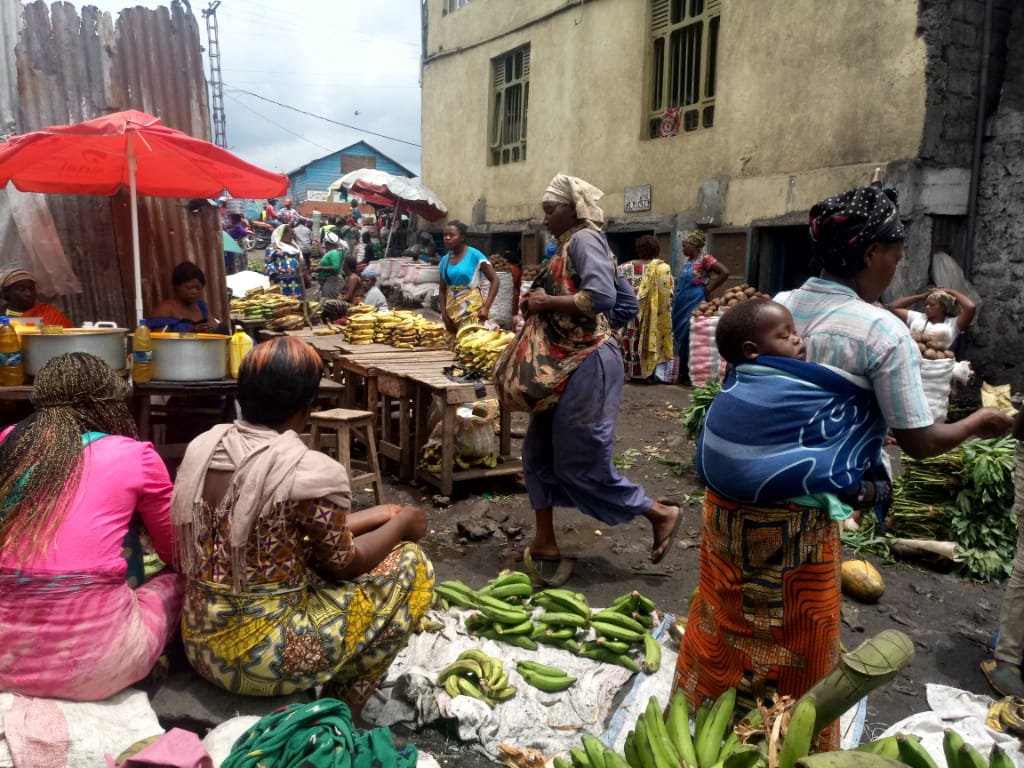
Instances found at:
x=736 y=116
x=310 y=181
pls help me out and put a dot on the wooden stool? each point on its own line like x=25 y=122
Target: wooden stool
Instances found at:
x=347 y=424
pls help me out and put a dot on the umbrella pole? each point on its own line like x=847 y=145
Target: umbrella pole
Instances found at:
x=136 y=257
x=391 y=232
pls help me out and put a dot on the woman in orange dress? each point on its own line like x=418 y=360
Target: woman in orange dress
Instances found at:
x=18 y=290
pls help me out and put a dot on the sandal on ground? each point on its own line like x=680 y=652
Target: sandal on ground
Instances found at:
x=1006 y=681
x=662 y=546
x=562 y=573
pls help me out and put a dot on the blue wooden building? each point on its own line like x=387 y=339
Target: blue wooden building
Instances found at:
x=310 y=181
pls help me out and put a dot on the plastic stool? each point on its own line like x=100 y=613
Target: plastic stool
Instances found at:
x=346 y=425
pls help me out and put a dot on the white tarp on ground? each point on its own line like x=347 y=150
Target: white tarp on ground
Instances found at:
x=79 y=732
x=549 y=722
x=962 y=711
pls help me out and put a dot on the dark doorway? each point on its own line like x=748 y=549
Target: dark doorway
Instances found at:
x=623 y=243
x=783 y=258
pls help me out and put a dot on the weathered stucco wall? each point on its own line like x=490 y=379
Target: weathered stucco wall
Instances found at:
x=811 y=96
x=997 y=340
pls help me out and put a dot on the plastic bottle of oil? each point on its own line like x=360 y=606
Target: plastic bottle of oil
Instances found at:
x=240 y=346
x=142 y=355
x=12 y=371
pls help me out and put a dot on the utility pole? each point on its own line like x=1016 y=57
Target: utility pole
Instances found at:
x=220 y=131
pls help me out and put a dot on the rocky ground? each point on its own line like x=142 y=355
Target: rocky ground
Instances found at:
x=474 y=535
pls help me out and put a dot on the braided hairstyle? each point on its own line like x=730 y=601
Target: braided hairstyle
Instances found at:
x=41 y=459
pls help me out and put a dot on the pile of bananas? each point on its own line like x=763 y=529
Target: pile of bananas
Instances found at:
x=386 y=322
x=544 y=677
x=259 y=304
x=478 y=675
x=622 y=627
x=406 y=330
x=904 y=749
x=478 y=348
x=359 y=329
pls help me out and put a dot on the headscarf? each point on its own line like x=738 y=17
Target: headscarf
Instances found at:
x=15 y=275
x=946 y=301
x=696 y=238
x=842 y=227
x=575 y=192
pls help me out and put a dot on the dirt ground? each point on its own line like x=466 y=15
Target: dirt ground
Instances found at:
x=950 y=620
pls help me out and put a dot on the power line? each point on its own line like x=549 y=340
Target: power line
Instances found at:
x=320 y=117
x=242 y=104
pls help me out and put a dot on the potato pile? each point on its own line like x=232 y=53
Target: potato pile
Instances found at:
x=730 y=298
x=933 y=347
x=530 y=272
x=499 y=262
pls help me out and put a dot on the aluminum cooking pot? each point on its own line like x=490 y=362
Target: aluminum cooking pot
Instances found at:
x=108 y=344
x=190 y=356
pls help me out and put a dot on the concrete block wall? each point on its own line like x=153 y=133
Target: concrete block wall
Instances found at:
x=997 y=340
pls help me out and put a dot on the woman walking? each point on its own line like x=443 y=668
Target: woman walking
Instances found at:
x=565 y=368
x=701 y=275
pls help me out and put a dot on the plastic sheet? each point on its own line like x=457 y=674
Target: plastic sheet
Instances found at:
x=28 y=240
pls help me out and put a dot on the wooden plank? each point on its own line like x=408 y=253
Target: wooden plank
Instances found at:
x=504 y=469
x=23 y=392
x=447 y=449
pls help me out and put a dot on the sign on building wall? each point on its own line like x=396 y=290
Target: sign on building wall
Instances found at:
x=316 y=196
x=637 y=199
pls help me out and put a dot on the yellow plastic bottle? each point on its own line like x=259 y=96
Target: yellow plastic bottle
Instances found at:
x=142 y=355
x=240 y=346
x=12 y=371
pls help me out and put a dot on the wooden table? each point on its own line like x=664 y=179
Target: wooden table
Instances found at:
x=449 y=395
x=23 y=392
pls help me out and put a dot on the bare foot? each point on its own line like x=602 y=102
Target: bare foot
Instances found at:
x=665 y=523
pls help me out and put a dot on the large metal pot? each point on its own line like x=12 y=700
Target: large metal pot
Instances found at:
x=108 y=344
x=190 y=356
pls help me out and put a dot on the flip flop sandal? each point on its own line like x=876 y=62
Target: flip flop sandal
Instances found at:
x=664 y=545
x=561 y=575
x=1004 y=680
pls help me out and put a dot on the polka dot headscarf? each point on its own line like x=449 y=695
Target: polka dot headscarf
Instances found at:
x=842 y=227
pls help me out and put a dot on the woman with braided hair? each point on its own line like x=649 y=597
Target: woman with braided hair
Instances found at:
x=73 y=482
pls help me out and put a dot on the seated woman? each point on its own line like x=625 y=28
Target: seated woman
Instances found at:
x=947 y=314
x=287 y=588
x=73 y=482
x=185 y=312
x=18 y=291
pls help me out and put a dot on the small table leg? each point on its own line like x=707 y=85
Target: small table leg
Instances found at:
x=447 y=449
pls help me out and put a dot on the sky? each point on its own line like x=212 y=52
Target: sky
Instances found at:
x=353 y=62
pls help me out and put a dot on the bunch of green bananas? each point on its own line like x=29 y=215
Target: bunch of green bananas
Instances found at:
x=478 y=675
x=626 y=624
x=544 y=677
x=501 y=616
x=455 y=592
x=565 y=613
x=903 y=749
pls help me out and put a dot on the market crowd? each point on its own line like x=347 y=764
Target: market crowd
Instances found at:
x=277 y=585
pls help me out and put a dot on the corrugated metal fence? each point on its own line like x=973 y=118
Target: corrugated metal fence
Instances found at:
x=57 y=67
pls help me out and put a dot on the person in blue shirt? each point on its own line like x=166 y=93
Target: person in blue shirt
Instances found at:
x=461 y=267
x=185 y=311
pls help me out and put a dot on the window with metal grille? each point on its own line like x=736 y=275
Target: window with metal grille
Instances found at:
x=510 y=104
x=454 y=5
x=684 y=52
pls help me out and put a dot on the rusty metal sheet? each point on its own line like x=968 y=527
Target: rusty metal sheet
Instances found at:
x=71 y=67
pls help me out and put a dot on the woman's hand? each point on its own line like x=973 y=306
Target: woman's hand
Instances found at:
x=204 y=327
x=483 y=313
x=536 y=300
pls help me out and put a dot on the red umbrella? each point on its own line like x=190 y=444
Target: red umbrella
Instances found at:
x=134 y=150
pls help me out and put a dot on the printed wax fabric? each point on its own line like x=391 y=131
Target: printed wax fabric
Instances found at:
x=534 y=368
x=829 y=433
x=276 y=638
x=765 y=619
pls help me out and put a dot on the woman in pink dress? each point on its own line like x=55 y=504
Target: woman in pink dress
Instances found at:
x=74 y=483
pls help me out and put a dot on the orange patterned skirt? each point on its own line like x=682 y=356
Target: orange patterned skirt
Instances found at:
x=766 y=616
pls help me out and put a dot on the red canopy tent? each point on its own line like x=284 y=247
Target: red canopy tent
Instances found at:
x=134 y=150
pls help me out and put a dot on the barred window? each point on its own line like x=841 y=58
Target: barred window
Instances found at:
x=684 y=53
x=454 y=5
x=511 y=72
